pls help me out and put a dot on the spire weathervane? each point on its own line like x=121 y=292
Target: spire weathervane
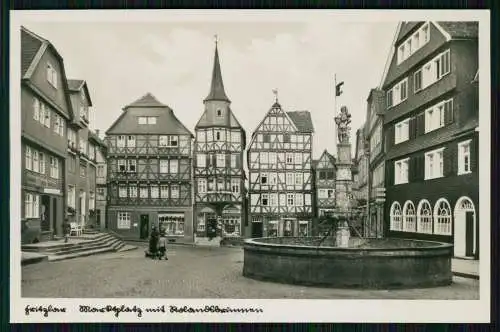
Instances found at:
x=275 y=91
x=216 y=38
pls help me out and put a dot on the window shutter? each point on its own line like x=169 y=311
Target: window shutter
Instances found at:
x=419 y=167
x=448 y=113
x=389 y=138
x=420 y=124
x=389 y=173
x=412 y=128
x=474 y=153
x=447 y=162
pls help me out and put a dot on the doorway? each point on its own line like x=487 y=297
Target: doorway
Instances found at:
x=211 y=227
x=45 y=213
x=465 y=239
x=54 y=216
x=257 y=230
x=144 y=226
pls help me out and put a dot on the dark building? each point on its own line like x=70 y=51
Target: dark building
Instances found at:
x=280 y=171
x=81 y=159
x=149 y=172
x=431 y=133
x=374 y=225
x=45 y=112
x=219 y=175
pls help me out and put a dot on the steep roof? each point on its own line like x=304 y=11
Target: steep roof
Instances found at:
x=33 y=47
x=205 y=121
x=148 y=100
x=30 y=45
x=461 y=29
x=77 y=86
x=166 y=122
x=302 y=120
x=217 y=86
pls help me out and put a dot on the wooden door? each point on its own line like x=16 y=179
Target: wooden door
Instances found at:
x=144 y=226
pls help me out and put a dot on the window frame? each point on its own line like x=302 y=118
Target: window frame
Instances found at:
x=461 y=169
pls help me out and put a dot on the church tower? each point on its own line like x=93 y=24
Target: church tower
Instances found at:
x=218 y=173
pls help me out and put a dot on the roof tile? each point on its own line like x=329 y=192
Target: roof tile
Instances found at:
x=166 y=123
x=302 y=120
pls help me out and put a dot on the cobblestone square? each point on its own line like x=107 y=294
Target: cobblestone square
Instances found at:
x=193 y=272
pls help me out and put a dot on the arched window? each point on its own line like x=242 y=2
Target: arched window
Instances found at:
x=396 y=217
x=409 y=217
x=424 y=217
x=219 y=112
x=442 y=217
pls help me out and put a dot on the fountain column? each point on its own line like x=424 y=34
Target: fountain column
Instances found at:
x=343 y=181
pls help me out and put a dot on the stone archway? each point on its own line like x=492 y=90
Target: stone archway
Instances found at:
x=465 y=228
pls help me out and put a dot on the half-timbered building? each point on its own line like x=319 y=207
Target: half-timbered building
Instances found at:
x=149 y=172
x=279 y=163
x=45 y=113
x=324 y=183
x=219 y=175
x=324 y=173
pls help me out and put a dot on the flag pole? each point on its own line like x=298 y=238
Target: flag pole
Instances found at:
x=335 y=113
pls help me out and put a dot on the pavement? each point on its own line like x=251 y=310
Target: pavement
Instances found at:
x=32 y=258
x=465 y=268
x=193 y=272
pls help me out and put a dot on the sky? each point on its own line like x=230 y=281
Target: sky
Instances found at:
x=173 y=60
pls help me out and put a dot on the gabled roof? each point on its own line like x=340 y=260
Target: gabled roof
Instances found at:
x=33 y=47
x=302 y=120
x=166 y=122
x=460 y=29
x=450 y=30
x=148 y=100
x=217 y=86
x=77 y=86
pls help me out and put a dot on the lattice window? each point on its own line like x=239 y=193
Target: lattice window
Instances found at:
x=396 y=217
x=442 y=217
x=409 y=217
x=424 y=217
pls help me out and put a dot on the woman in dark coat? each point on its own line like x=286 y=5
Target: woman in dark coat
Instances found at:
x=153 y=241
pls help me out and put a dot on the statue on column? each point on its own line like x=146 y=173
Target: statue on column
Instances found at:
x=343 y=120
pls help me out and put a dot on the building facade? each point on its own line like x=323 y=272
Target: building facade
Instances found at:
x=98 y=214
x=280 y=171
x=324 y=174
x=149 y=172
x=81 y=159
x=430 y=125
x=45 y=113
x=374 y=226
x=219 y=175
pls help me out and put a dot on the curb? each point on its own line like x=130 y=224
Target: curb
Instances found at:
x=34 y=260
x=466 y=275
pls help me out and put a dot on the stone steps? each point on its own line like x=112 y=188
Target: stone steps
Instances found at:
x=83 y=245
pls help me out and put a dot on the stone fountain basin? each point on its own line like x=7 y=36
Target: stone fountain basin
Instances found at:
x=366 y=263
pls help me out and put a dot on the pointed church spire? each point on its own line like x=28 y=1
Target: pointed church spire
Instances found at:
x=217 y=88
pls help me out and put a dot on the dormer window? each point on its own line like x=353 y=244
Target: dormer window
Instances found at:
x=413 y=43
x=51 y=75
x=219 y=112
